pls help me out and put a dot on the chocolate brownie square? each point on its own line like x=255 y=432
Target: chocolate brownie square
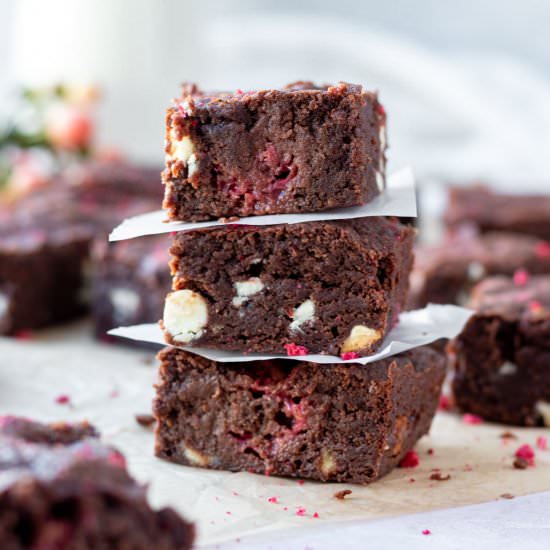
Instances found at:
x=488 y=210
x=60 y=487
x=299 y=149
x=130 y=282
x=319 y=287
x=346 y=423
x=501 y=359
x=445 y=273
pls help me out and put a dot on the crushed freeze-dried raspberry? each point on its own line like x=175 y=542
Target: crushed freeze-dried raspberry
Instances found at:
x=535 y=306
x=293 y=350
x=145 y=420
x=430 y=451
x=350 y=355
x=301 y=511
x=521 y=276
x=114 y=393
x=412 y=480
x=315 y=515
x=542 y=249
x=341 y=495
x=300 y=482
x=116 y=459
x=472 y=419
x=438 y=476
x=62 y=399
x=273 y=500
x=24 y=334
x=380 y=109
x=234 y=493
x=525 y=453
x=426 y=532
x=410 y=460
x=444 y=403
x=542 y=443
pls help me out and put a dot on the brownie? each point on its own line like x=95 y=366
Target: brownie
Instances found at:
x=302 y=148
x=491 y=211
x=445 y=273
x=346 y=423
x=130 y=282
x=322 y=287
x=46 y=239
x=60 y=487
x=502 y=356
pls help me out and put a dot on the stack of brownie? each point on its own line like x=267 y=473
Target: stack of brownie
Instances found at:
x=320 y=287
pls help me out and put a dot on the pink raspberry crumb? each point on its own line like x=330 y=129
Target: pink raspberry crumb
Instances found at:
x=300 y=482
x=444 y=403
x=301 y=511
x=350 y=355
x=472 y=419
x=542 y=249
x=24 y=334
x=525 y=452
x=426 y=532
x=315 y=515
x=410 y=460
x=273 y=500
x=521 y=276
x=535 y=306
x=542 y=443
x=62 y=399
x=293 y=350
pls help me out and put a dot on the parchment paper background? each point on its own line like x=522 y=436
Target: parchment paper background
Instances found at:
x=109 y=384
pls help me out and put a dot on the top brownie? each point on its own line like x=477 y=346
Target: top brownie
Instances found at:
x=299 y=149
x=490 y=211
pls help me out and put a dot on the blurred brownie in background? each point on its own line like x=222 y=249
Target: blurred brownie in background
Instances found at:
x=46 y=237
x=488 y=210
x=130 y=282
x=502 y=357
x=445 y=273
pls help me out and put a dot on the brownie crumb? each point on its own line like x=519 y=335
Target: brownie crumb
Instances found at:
x=341 y=495
x=438 y=476
x=508 y=435
x=145 y=420
x=521 y=463
x=507 y=496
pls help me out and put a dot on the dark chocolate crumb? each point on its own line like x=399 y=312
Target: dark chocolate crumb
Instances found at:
x=438 y=476
x=521 y=463
x=508 y=435
x=145 y=420
x=507 y=495
x=341 y=495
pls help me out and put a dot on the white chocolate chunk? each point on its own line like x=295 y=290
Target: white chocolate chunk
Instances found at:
x=304 y=313
x=507 y=368
x=359 y=338
x=185 y=315
x=328 y=464
x=383 y=140
x=380 y=181
x=192 y=165
x=476 y=271
x=194 y=456
x=4 y=304
x=125 y=302
x=181 y=149
x=245 y=289
x=543 y=408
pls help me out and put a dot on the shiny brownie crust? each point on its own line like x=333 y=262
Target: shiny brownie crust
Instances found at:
x=340 y=422
x=299 y=149
x=61 y=488
x=327 y=287
x=502 y=356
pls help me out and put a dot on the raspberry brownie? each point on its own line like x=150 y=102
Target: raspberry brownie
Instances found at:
x=302 y=148
x=445 y=273
x=130 y=282
x=490 y=211
x=61 y=488
x=502 y=357
x=346 y=423
x=319 y=287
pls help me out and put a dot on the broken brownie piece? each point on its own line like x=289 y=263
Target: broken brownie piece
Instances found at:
x=60 y=487
x=445 y=273
x=488 y=210
x=130 y=282
x=501 y=358
x=299 y=149
x=319 y=287
x=347 y=423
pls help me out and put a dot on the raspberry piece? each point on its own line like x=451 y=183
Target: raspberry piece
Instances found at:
x=62 y=399
x=350 y=355
x=410 y=460
x=521 y=276
x=526 y=453
x=542 y=249
x=542 y=443
x=293 y=350
x=472 y=419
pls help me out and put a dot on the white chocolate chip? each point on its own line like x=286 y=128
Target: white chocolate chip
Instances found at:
x=476 y=271
x=4 y=304
x=245 y=289
x=185 y=315
x=359 y=338
x=194 y=456
x=380 y=181
x=507 y=368
x=192 y=165
x=328 y=464
x=125 y=302
x=543 y=408
x=383 y=140
x=304 y=313
x=181 y=149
